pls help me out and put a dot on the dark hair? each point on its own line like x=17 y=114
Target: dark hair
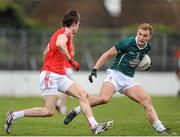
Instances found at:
x=70 y=17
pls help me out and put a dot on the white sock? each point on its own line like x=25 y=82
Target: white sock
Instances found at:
x=58 y=103
x=63 y=109
x=18 y=114
x=78 y=110
x=158 y=126
x=92 y=122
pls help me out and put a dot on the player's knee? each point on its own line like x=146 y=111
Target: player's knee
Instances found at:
x=49 y=113
x=104 y=99
x=147 y=102
x=83 y=95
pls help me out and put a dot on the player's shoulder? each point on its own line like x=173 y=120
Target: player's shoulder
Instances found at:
x=131 y=40
x=67 y=32
x=127 y=42
x=64 y=31
x=149 y=47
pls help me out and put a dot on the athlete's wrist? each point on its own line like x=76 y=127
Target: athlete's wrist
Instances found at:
x=94 y=70
x=70 y=60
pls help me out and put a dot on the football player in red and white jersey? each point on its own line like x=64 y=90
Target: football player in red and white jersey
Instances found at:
x=61 y=101
x=53 y=78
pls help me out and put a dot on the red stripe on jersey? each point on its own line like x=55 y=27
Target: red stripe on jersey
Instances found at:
x=46 y=79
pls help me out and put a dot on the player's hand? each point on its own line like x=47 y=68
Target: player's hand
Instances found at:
x=74 y=64
x=93 y=73
x=147 y=69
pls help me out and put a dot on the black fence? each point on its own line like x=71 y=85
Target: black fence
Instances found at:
x=23 y=49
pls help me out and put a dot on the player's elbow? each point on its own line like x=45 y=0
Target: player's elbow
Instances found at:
x=59 y=45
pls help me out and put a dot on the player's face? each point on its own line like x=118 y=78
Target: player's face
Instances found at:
x=75 y=28
x=143 y=36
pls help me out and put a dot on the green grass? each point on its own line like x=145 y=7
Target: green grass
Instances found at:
x=128 y=116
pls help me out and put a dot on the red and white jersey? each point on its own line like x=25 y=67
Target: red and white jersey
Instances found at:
x=54 y=59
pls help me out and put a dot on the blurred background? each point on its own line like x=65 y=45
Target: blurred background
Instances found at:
x=27 y=25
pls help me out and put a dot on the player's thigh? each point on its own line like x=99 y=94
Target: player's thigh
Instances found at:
x=107 y=90
x=76 y=90
x=137 y=93
x=48 y=83
x=49 y=101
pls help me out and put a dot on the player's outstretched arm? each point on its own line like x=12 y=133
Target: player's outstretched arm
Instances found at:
x=111 y=52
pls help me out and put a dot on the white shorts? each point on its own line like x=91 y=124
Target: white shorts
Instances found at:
x=120 y=81
x=51 y=83
x=69 y=73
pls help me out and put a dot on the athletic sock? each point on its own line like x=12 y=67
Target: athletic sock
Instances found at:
x=17 y=114
x=63 y=109
x=61 y=106
x=58 y=103
x=78 y=110
x=92 y=122
x=158 y=126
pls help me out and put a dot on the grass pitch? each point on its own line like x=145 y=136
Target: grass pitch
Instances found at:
x=129 y=118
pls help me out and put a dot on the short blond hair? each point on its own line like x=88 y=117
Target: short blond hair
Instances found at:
x=146 y=26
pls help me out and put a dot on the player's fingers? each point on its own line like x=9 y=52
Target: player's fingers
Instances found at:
x=148 y=68
x=90 y=78
x=77 y=69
